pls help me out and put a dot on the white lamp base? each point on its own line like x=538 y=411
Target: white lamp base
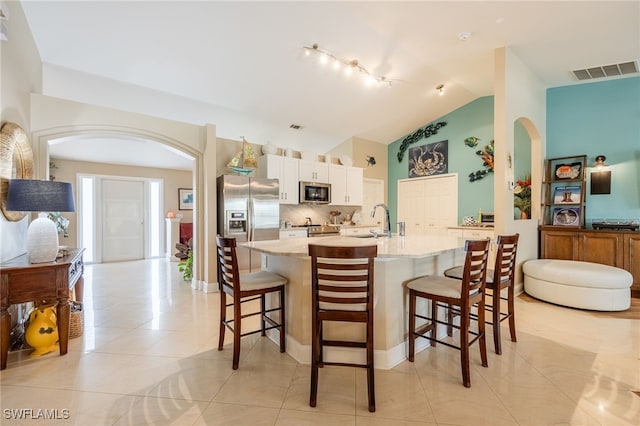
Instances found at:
x=42 y=240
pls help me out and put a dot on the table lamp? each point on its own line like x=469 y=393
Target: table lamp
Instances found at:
x=42 y=196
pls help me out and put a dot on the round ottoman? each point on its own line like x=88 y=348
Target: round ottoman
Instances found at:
x=583 y=285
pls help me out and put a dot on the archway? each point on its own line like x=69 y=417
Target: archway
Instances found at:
x=43 y=138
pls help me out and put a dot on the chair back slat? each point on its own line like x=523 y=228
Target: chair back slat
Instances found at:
x=228 y=273
x=475 y=266
x=342 y=277
x=505 y=266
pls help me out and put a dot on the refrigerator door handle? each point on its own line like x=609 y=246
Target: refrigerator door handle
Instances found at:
x=250 y=220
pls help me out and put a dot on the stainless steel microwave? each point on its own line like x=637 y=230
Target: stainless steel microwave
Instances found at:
x=315 y=193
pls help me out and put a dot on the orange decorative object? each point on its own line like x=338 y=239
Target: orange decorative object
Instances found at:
x=171 y=214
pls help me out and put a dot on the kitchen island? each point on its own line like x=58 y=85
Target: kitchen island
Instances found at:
x=399 y=259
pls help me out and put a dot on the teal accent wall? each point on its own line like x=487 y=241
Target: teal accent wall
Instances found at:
x=600 y=119
x=473 y=119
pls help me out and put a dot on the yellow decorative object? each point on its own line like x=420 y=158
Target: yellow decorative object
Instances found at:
x=42 y=333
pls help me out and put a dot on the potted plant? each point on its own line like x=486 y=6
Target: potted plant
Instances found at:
x=185 y=266
x=62 y=223
x=522 y=197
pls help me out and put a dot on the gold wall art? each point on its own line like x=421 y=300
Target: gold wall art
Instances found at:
x=16 y=162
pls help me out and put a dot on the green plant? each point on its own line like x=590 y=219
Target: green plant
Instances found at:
x=186 y=267
x=522 y=195
x=62 y=223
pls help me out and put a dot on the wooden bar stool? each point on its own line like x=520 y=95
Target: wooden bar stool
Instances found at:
x=246 y=288
x=448 y=292
x=342 y=290
x=503 y=274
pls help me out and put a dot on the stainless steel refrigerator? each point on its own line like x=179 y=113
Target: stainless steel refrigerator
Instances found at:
x=248 y=210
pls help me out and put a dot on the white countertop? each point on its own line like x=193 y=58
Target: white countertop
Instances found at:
x=396 y=246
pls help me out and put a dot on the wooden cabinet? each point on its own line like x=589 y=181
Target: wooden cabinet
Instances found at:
x=285 y=169
x=632 y=260
x=614 y=248
x=313 y=171
x=347 y=185
x=428 y=205
x=564 y=192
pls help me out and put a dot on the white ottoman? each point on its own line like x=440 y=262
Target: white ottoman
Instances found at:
x=583 y=285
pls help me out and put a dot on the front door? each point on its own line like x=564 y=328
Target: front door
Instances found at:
x=122 y=220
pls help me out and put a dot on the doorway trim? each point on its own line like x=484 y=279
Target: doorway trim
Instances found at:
x=41 y=139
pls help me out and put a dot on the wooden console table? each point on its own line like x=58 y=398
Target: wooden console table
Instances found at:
x=21 y=281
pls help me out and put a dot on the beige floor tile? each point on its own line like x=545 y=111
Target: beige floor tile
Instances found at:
x=307 y=418
x=259 y=384
x=336 y=390
x=149 y=356
x=237 y=415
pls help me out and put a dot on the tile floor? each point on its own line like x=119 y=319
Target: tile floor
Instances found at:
x=148 y=356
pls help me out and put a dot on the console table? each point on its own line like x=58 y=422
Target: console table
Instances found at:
x=21 y=281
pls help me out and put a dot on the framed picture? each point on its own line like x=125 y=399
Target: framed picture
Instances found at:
x=567 y=195
x=569 y=216
x=427 y=160
x=568 y=171
x=185 y=199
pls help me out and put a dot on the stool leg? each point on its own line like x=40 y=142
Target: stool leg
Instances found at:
x=371 y=391
x=283 y=321
x=495 y=306
x=412 y=324
x=237 y=332
x=512 y=313
x=464 y=346
x=223 y=318
x=315 y=348
x=262 y=310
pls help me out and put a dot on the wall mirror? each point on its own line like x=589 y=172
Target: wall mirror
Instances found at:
x=16 y=162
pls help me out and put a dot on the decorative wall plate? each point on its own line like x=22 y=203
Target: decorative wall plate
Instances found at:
x=15 y=154
x=345 y=160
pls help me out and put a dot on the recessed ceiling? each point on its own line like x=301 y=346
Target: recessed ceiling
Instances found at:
x=240 y=65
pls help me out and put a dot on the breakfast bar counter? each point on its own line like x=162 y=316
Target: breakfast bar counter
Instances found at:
x=399 y=259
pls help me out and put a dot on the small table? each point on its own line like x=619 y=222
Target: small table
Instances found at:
x=21 y=281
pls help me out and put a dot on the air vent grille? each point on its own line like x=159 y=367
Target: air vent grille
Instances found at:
x=607 y=70
x=295 y=126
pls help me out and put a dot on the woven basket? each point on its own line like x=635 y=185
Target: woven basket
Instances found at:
x=76 y=321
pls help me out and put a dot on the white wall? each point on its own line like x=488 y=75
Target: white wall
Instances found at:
x=519 y=94
x=20 y=75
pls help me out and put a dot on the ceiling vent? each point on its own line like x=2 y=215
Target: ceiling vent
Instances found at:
x=607 y=71
x=295 y=126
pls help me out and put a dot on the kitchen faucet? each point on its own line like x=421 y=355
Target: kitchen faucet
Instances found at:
x=387 y=222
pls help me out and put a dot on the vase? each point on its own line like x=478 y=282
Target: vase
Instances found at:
x=42 y=332
x=524 y=214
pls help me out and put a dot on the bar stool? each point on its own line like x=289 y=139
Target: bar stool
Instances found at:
x=342 y=290
x=448 y=292
x=242 y=289
x=503 y=274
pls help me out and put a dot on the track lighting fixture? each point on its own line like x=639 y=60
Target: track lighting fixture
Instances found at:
x=349 y=65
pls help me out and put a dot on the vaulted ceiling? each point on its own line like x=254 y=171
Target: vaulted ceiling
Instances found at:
x=241 y=65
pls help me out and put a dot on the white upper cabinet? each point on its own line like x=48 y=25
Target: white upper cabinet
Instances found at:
x=346 y=185
x=313 y=171
x=285 y=169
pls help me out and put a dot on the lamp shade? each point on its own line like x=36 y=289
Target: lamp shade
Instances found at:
x=41 y=196
x=28 y=195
